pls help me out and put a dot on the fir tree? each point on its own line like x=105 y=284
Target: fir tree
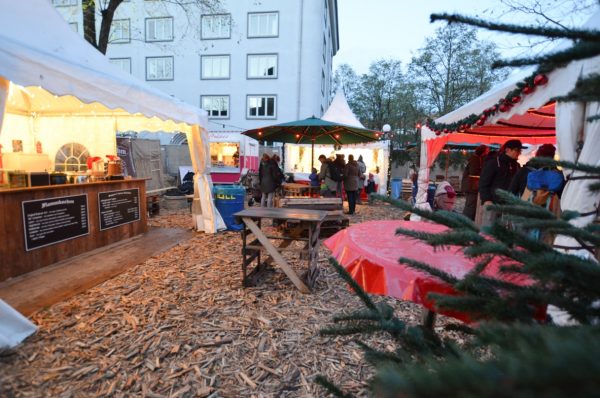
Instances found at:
x=512 y=353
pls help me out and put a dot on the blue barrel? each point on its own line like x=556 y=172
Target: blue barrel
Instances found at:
x=229 y=199
x=396 y=187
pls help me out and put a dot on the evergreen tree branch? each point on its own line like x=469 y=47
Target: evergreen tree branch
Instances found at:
x=554 y=33
x=579 y=51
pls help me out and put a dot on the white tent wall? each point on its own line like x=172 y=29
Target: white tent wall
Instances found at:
x=571 y=128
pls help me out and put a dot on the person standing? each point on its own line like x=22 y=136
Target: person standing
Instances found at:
x=329 y=187
x=351 y=178
x=497 y=174
x=362 y=169
x=519 y=182
x=470 y=180
x=340 y=163
x=267 y=179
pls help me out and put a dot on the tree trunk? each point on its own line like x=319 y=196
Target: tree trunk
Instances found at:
x=107 y=18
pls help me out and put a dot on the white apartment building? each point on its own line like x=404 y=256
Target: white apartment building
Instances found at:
x=249 y=64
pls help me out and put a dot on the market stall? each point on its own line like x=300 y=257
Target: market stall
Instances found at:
x=375 y=154
x=532 y=117
x=61 y=103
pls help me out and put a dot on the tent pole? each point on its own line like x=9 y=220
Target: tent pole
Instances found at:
x=312 y=156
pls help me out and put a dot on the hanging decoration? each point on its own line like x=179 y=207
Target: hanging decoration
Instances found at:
x=525 y=87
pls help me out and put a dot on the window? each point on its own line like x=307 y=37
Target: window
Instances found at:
x=322 y=82
x=225 y=155
x=119 y=31
x=262 y=66
x=71 y=157
x=122 y=63
x=217 y=106
x=264 y=24
x=159 y=68
x=214 y=67
x=65 y=2
x=324 y=49
x=216 y=26
x=73 y=26
x=159 y=29
x=261 y=106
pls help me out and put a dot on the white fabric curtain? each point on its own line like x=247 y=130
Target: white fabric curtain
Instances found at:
x=572 y=130
x=205 y=215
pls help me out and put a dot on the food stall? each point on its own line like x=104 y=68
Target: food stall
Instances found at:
x=232 y=155
x=61 y=103
x=375 y=155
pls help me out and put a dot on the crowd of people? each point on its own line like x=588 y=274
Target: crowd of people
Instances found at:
x=335 y=178
x=487 y=171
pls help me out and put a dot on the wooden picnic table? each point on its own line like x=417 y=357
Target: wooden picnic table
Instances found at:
x=307 y=220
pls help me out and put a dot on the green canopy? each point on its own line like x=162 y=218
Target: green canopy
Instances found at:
x=313 y=131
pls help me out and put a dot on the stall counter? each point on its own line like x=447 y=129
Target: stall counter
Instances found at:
x=44 y=225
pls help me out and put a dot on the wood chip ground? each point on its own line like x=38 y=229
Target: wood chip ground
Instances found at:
x=181 y=325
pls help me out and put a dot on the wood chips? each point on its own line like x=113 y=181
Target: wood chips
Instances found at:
x=181 y=325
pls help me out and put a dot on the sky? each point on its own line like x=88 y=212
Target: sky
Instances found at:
x=374 y=29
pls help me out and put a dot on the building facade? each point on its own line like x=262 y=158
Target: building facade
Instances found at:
x=248 y=63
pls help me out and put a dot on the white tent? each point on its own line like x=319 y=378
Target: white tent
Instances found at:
x=339 y=112
x=53 y=82
x=534 y=120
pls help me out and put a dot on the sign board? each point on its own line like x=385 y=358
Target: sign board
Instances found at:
x=54 y=220
x=118 y=207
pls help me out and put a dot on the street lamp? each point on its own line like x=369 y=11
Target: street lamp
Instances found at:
x=386 y=129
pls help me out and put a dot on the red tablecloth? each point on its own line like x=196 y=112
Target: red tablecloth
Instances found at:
x=370 y=251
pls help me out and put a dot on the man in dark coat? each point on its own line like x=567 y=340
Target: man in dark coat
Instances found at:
x=267 y=176
x=351 y=176
x=519 y=181
x=497 y=173
x=340 y=163
x=470 y=180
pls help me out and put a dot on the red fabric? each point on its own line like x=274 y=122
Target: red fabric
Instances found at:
x=373 y=262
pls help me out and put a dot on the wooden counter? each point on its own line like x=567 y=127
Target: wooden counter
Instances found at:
x=27 y=244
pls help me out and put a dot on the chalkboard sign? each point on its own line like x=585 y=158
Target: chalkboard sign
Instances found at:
x=118 y=207
x=53 y=220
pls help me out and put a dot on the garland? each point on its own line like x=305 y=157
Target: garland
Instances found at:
x=526 y=87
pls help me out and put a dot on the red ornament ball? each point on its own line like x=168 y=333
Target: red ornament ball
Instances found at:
x=528 y=89
x=504 y=108
x=494 y=108
x=516 y=99
x=540 y=79
x=438 y=132
x=445 y=131
x=480 y=122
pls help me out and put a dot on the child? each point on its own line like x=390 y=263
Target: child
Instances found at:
x=314 y=178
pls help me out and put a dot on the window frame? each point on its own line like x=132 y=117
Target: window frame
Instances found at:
x=120 y=41
x=275 y=76
x=202 y=37
x=74 y=26
x=122 y=58
x=249 y=117
x=217 y=96
x=160 y=57
x=259 y=36
x=159 y=40
x=214 y=56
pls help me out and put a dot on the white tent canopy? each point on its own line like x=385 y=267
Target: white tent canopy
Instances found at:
x=51 y=77
x=534 y=120
x=339 y=112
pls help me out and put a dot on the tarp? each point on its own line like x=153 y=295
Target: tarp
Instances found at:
x=55 y=74
x=534 y=120
x=370 y=251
